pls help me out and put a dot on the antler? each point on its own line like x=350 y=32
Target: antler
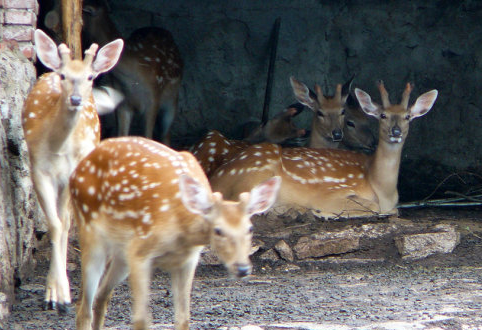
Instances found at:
x=90 y=54
x=338 y=93
x=406 y=95
x=384 y=94
x=64 y=53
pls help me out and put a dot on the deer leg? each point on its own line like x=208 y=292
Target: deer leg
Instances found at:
x=65 y=216
x=181 y=289
x=139 y=279
x=116 y=272
x=93 y=265
x=124 y=119
x=57 y=281
x=168 y=107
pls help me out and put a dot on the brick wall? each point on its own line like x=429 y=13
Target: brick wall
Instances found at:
x=18 y=19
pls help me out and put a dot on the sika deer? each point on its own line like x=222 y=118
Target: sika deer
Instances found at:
x=327 y=124
x=332 y=183
x=139 y=203
x=215 y=149
x=148 y=73
x=61 y=126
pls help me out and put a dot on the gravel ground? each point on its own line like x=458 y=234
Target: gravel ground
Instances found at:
x=439 y=292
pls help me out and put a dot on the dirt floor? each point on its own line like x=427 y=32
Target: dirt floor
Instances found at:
x=371 y=288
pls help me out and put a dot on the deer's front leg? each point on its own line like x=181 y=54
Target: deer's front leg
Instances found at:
x=181 y=290
x=57 y=293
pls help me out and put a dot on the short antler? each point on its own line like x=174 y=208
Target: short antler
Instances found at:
x=384 y=94
x=90 y=54
x=64 y=52
x=338 y=93
x=406 y=95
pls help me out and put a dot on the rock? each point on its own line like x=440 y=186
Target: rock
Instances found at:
x=284 y=250
x=443 y=239
x=269 y=255
x=20 y=214
x=208 y=257
x=327 y=244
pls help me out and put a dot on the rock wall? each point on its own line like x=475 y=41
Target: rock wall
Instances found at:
x=18 y=207
x=435 y=44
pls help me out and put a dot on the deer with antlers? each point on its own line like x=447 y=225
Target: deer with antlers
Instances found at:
x=330 y=182
x=138 y=204
x=61 y=126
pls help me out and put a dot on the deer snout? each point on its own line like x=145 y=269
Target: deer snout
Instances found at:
x=243 y=270
x=337 y=135
x=75 y=100
x=396 y=131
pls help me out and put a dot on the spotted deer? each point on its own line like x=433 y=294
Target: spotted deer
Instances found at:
x=148 y=74
x=215 y=149
x=329 y=112
x=357 y=128
x=331 y=182
x=141 y=204
x=61 y=126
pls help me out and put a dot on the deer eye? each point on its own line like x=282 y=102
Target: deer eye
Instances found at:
x=342 y=112
x=350 y=123
x=218 y=232
x=407 y=117
x=383 y=116
x=90 y=77
x=62 y=76
x=319 y=113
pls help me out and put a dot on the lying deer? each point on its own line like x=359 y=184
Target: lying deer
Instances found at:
x=338 y=120
x=139 y=203
x=333 y=183
x=148 y=74
x=215 y=149
x=61 y=126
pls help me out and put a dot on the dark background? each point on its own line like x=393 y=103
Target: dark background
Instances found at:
x=434 y=44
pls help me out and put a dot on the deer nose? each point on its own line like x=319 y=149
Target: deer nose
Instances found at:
x=337 y=135
x=243 y=270
x=75 y=100
x=396 y=131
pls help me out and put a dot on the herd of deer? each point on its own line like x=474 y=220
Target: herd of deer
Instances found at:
x=138 y=203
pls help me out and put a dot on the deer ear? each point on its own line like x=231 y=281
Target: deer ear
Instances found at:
x=263 y=196
x=47 y=51
x=423 y=104
x=303 y=93
x=195 y=197
x=346 y=88
x=366 y=103
x=108 y=56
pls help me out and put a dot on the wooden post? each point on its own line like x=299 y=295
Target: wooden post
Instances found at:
x=72 y=26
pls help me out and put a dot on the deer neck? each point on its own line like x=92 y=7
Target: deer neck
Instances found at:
x=318 y=140
x=63 y=125
x=383 y=173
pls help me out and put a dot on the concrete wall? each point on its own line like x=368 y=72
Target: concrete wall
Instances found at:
x=435 y=44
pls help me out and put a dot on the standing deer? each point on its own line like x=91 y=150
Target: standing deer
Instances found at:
x=61 y=126
x=333 y=182
x=148 y=74
x=139 y=203
x=215 y=149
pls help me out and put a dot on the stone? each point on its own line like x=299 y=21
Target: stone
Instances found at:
x=269 y=255
x=441 y=239
x=209 y=258
x=316 y=246
x=284 y=250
